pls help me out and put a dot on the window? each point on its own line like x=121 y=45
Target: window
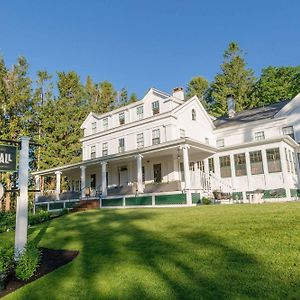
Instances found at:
x=140 y=140
x=287 y=160
x=139 y=112
x=155 y=137
x=273 y=159
x=105 y=124
x=291 y=162
x=155 y=107
x=220 y=143
x=121 y=145
x=240 y=164
x=93 y=152
x=206 y=141
x=121 y=118
x=211 y=165
x=225 y=167
x=182 y=133
x=192 y=166
x=258 y=136
x=104 y=149
x=256 y=162
x=289 y=130
x=94 y=127
x=200 y=165
x=194 y=117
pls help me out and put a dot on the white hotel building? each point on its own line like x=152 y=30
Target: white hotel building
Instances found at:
x=165 y=149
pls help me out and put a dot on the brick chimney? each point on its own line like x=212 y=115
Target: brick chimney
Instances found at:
x=178 y=93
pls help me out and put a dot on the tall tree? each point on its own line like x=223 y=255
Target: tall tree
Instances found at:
x=234 y=79
x=275 y=84
x=197 y=87
x=107 y=96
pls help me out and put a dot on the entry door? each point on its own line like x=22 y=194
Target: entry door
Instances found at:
x=157 y=172
x=123 y=176
x=93 y=181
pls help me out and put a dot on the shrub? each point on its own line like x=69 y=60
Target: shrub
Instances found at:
x=28 y=262
x=40 y=217
x=6 y=263
x=7 y=221
x=206 y=201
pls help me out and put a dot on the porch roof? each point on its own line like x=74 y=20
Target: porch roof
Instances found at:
x=159 y=149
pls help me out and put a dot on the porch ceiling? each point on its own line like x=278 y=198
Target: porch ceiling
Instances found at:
x=163 y=149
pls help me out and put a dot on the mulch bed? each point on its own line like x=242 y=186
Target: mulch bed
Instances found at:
x=50 y=261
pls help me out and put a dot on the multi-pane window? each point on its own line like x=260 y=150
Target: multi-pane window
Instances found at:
x=94 y=127
x=155 y=107
x=211 y=165
x=289 y=130
x=240 y=164
x=295 y=161
x=140 y=140
x=225 y=168
x=121 y=145
x=105 y=123
x=192 y=166
x=182 y=133
x=121 y=118
x=194 y=116
x=256 y=162
x=104 y=149
x=200 y=165
x=259 y=135
x=93 y=152
x=287 y=160
x=220 y=143
x=155 y=136
x=273 y=159
x=139 y=112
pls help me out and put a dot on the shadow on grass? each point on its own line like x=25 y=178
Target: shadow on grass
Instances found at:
x=122 y=259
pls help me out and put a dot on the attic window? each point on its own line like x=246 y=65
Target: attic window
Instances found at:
x=94 y=127
x=122 y=118
x=155 y=107
x=289 y=130
x=194 y=117
x=105 y=123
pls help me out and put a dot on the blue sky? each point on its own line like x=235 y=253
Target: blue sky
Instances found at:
x=143 y=44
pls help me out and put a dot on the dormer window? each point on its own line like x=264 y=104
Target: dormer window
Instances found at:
x=93 y=152
x=121 y=118
x=289 y=130
x=139 y=112
x=94 y=127
x=194 y=117
x=259 y=135
x=105 y=123
x=155 y=107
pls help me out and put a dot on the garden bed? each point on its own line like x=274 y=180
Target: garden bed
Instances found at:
x=50 y=261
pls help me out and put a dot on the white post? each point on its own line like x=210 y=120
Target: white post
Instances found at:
x=266 y=169
x=286 y=176
x=139 y=173
x=22 y=200
x=37 y=179
x=83 y=183
x=58 y=181
x=103 y=177
x=186 y=167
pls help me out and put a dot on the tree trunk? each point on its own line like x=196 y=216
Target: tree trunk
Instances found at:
x=7 y=195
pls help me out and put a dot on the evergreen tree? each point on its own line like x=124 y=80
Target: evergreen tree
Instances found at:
x=234 y=79
x=275 y=84
x=107 y=96
x=133 y=98
x=197 y=87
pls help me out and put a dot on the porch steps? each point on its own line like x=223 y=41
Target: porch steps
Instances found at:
x=86 y=205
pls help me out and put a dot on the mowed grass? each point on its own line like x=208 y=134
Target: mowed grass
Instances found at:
x=207 y=252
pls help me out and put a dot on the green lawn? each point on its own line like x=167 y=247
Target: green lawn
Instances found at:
x=205 y=252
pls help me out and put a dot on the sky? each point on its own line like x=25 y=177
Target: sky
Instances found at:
x=143 y=44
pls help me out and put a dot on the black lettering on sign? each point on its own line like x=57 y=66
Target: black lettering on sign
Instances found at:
x=8 y=158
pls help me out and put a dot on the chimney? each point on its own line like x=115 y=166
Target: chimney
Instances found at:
x=230 y=106
x=178 y=93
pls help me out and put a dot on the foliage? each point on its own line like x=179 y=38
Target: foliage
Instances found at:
x=275 y=84
x=234 y=79
x=40 y=217
x=6 y=258
x=28 y=262
x=206 y=201
x=198 y=87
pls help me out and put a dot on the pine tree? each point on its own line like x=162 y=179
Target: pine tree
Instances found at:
x=234 y=79
x=197 y=87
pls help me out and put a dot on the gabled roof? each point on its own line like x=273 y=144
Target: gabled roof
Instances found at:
x=250 y=115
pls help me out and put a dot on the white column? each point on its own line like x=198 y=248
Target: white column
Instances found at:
x=248 y=167
x=186 y=166
x=22 y=200
x=37 y=179
x=83 y=181
x=286 y=176
x=57 y=186
x=176 y=175
x=265 y=166
x=103 y=178
x=232 y=172
x=139 y=173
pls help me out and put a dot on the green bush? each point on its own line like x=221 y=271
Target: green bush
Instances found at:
x=7 y=221
x=6 y=263
x=206 y=201
x=28 y=262
x=40 y=217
